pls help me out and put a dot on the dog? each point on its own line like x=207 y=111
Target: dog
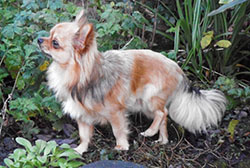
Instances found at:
x=96 y=88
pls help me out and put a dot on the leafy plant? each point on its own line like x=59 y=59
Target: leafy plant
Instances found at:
x=233 y=30
x=116 y=28
x=43 y=154
x=235 y=94
x=207 y=34
x=22 y=65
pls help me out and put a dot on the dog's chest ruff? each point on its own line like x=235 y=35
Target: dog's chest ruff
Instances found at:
x=113 y=68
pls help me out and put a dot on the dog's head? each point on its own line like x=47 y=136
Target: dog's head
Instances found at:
x=68 y=40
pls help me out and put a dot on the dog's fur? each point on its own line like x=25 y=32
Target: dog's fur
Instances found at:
x=99 y=87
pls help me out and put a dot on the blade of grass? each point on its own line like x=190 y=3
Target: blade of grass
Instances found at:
x=239 y=21
x=226 y=6
x=190 y=54
x=169 y=10
x=150 y=29
x=154 y=11
x=195 y=25
x=179 y=10
x=176 y=38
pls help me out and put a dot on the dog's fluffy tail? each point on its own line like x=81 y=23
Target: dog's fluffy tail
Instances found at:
x=197 y=109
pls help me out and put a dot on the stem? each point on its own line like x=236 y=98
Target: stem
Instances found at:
x=5 y=108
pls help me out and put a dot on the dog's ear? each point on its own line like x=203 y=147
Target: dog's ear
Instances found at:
x=84 y=38
x=81 y=18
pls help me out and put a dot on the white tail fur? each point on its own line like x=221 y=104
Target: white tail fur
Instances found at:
x=197 y=109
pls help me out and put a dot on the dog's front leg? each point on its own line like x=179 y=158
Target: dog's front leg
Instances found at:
x=120 y=129
x=85 y=133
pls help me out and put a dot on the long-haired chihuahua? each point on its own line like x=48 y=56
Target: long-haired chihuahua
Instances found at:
x=96 y=87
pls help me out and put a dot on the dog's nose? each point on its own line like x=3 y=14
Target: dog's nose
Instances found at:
x=40 y=40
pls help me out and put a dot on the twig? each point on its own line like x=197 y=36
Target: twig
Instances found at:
x=180 y=139
x=4 y=108
x=143 y=29
x=217 y=73
x=143 y=32
x=125 y=46
x=155 y=24
x=2 y=59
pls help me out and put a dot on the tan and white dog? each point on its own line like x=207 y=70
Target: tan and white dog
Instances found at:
x=99 y=87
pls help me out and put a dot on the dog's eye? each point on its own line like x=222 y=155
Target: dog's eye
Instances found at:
x=55 y=44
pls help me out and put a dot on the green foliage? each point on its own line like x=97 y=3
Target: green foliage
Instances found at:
x=43 y=154
x=228 y=4
x=22 y=23
x=116 y=28
x=233 y=30
x=206 y=33
x=234 y=93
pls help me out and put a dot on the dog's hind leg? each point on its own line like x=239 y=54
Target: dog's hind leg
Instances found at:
x=85 y=133
x=163 y=135
x=155 y=126
x=157 y=104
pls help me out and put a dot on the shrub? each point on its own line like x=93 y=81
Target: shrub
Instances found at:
x=116 y=27
x=236 y=95
x=22 y=64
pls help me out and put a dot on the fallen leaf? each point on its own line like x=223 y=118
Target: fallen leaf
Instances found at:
x=225 y=1
x=206 y=40
x=231 y=128
x=44 y=66
x=224 y=43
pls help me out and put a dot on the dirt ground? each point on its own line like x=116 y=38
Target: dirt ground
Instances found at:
x=214 y=149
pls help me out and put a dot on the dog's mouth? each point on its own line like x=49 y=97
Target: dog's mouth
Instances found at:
x=47 y=55
x=44 y=53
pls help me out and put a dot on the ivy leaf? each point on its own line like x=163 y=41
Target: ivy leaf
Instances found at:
x=29 y=49
x=224 y=43
x=8 y=31
x=30 y=4
x=18 y=30
x=55 y=4
x=20 y=83
x=70 y=7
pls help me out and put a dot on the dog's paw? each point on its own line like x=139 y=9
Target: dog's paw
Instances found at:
x=122 y=147
x=80 y=149
x=162 y=141
x=148 y=133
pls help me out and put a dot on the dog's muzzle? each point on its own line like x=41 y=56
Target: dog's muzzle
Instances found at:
x=40 y=41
